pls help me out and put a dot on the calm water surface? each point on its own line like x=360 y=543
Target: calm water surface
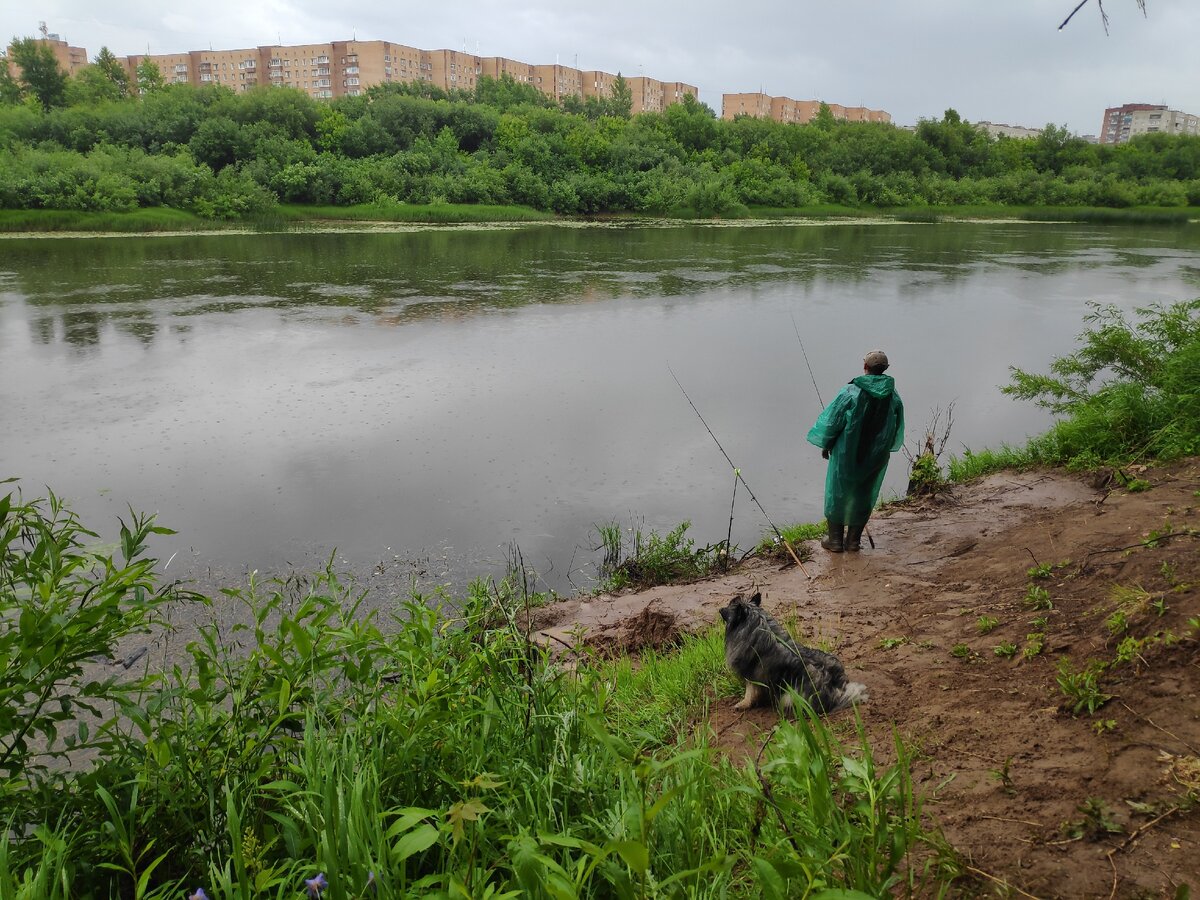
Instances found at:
x=420 y=400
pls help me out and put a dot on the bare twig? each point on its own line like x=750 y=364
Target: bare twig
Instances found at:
x=1018 y=821
x=1146 y=544
x=1103 y=15
x=1000 y=881
x=1152 y=724
x=1082 y=4
x=1138 y=832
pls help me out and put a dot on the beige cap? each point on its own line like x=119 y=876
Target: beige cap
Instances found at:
x=875 y=359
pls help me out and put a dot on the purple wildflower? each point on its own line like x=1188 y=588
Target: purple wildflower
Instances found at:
x=315 y=886
x=199 y=895
x=371 y=887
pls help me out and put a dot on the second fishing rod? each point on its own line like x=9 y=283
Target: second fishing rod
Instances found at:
x=737 y=474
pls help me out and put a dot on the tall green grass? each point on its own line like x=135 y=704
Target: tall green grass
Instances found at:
x=150 y=219
x=434 y=753
x=432 y=213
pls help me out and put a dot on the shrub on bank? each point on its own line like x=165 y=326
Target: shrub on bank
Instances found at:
x=1128 y=393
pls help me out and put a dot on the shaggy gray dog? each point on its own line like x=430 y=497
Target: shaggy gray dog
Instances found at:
x=759 y=650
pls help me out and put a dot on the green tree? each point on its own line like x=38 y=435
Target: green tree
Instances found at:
x=90 y=85
x=824 y=118
x=506 y=92
x=40 y=74
x=961 y=148
x=10 y=89
x=149 y=76
x=107 y=62
x=620 y=99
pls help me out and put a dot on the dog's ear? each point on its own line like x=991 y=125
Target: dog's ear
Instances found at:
x=756 y=599
x=726 y=612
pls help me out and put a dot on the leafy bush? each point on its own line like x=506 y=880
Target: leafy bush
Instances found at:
x=1129 y=391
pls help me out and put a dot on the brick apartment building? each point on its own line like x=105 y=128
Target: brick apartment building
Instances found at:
x=348 y=68
x=70 y=59
x=1124 y=122
x=785 y=109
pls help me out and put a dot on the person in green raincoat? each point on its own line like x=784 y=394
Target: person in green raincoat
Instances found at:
x=857 y=433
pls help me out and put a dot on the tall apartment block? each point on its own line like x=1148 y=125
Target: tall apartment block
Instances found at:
x=785 y=109
x=70 y=59
x=348 y=68
x=1124 y=122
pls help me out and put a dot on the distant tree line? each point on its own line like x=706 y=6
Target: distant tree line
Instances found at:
x=96 y=142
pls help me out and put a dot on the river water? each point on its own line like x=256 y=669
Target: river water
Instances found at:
x=421 y=400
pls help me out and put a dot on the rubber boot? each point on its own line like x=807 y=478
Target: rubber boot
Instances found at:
x=854 y=538
x=833 y=543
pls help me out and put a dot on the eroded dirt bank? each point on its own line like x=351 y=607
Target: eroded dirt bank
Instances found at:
x=1038 y=801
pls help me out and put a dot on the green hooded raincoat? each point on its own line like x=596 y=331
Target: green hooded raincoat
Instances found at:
x=860 y=428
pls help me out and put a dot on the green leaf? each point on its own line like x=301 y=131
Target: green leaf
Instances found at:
x=416 y=841
x=770 y=882
x=635 y=854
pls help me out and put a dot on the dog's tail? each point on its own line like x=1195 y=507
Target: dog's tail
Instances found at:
x=849 y=693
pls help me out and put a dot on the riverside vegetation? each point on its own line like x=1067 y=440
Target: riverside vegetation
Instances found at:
x=441 y=752
x=310 y=749
x=85 y=145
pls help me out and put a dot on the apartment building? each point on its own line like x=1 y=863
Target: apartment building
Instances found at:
x=558 y=82
x=452 y=70
x=1009 y=131
x=499 y=66
x=70 y=59
x=1124 y=122
x=348 y=68
x=785 y=109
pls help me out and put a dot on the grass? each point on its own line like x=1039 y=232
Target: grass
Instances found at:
x=796 y=535
x=150 y=219
x=1035 y=643
x=1005 y=650
x=643 y=559
x=1082 y=688
x=985 y=624
x=1146 y=215
x=1038 y=598
x=435 y=753
x=661 y=694
x=978 y=463
x=426 y=213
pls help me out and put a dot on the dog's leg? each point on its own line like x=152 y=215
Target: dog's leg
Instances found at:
x=747 y=701
x=752 y=698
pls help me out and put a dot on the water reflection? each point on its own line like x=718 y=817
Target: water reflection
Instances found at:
x=443 y=392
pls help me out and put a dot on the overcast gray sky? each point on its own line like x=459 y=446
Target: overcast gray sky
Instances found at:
x=995 y=60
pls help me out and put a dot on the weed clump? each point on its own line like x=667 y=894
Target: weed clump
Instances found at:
x=655 y=558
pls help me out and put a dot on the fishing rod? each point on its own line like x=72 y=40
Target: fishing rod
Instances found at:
x=796 y=329
x=737 y=475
